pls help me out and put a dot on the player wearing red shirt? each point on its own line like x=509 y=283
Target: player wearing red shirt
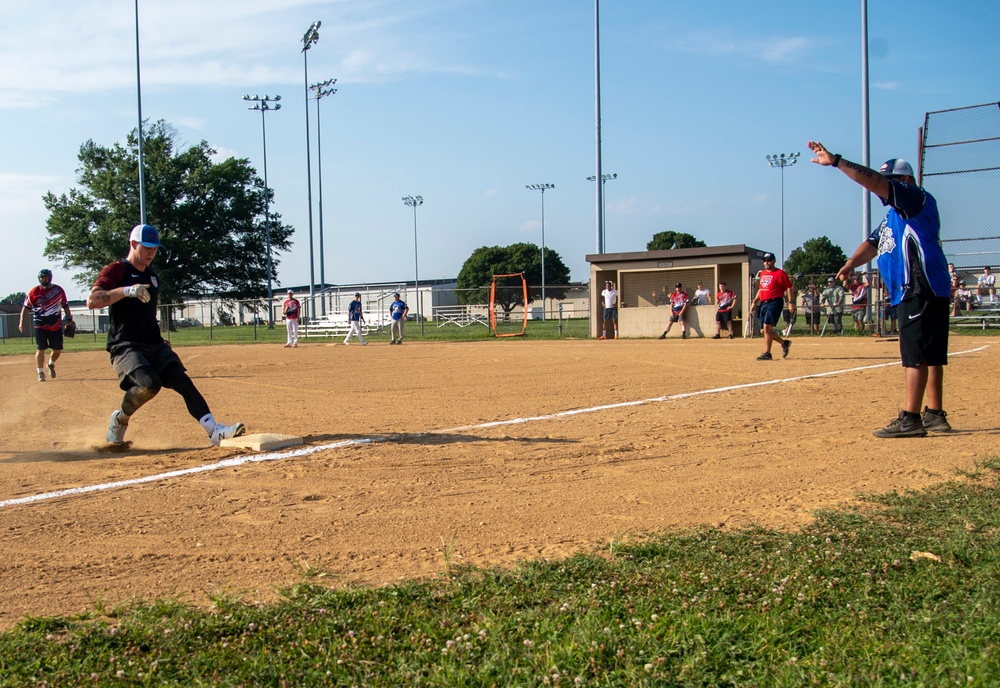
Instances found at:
x=46 y=303
x=725 y=299
x=291 y=309
x=678 y=307
x=775 y=285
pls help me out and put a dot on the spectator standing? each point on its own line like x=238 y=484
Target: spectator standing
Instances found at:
x=144 y=362
x=987 y=285
x=810 y=308
x=662 y=297
x=913 y=266
x=397 y=317
x=610 y=297
x=889 y=312
x=833 y=298
x=46 y=302
x=775 y=287
x=859 y=302
x=725 y=300
x=702 y=296
x=291 y=309
x=678 y=308
x=355 y=317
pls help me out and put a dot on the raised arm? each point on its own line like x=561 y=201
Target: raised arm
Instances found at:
x=865 y=176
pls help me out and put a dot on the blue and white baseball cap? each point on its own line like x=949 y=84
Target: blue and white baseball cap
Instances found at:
x=896 y=167
x=146 y=235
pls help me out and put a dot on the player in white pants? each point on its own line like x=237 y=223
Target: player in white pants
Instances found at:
x=354 y=318
x=291 y=308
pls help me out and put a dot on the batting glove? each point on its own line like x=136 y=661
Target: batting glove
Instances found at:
x=138 y=291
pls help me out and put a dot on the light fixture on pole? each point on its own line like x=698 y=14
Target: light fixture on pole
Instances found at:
x=604 y=202
x=308 y=40
x=322 y=90
x=781 y=162
x=264 y=105
x=542 y=188
x=413 y=202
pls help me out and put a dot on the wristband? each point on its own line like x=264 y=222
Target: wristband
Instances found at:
x=836 y=160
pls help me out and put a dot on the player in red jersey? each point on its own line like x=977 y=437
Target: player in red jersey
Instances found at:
x=46 y=301
x=291 y=309
x=678 y=307
x=725 y=299
x=775 y=286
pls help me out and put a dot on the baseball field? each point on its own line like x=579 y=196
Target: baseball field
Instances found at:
x=484 y=452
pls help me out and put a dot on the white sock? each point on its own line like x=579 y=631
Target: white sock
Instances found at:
x=208 y=422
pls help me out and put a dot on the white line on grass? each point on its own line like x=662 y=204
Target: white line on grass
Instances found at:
x=305 y=451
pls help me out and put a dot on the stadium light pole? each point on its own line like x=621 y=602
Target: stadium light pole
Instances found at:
x=597 y=122
x=414 y=202
x=322 y=90
x=542 y=188
x=781 y=162
x=308 y=40
x=264 y=105
x=604 y=200
x=138 y=92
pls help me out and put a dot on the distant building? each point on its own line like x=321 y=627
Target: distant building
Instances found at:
x=641 y=274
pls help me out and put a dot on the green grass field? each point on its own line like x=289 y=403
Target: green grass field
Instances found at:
x=901 y=591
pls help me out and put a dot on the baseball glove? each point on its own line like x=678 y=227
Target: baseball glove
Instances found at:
x=69 y=329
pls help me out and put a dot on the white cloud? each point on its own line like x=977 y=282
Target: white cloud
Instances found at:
x=766 y=50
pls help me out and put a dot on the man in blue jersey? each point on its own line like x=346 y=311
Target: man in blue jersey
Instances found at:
x=914 y=269
x=397 y=311
x=355 y=317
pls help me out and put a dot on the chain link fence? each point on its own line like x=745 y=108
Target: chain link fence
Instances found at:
x=960 y=166
x=223 y=320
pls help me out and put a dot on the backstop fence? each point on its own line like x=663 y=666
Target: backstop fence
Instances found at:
x=960 y=166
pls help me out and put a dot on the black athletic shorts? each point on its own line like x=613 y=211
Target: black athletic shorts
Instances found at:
x=48 y=339
x=724 y=317
x=923 y=330
x=157 y=357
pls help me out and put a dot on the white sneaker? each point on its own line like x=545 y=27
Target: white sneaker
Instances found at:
x=116 y=429
x=346 y=343
x=224 y=432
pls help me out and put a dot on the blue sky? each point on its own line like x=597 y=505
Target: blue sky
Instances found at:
x=466 y=101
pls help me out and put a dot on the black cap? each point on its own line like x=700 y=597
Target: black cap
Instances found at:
x=768 y=256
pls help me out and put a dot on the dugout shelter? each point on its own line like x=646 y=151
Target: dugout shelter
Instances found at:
x=641 y=275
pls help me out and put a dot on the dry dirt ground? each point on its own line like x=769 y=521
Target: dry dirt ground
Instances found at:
x=435 y=451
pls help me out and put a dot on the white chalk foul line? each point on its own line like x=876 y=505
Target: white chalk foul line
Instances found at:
x=305 y=451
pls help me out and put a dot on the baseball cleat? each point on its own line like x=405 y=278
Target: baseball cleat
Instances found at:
x=224 y=432
x=52 y=370
x=41 y=377
x=116 y=428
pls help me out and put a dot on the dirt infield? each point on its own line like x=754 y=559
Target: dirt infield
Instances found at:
x=440 y=480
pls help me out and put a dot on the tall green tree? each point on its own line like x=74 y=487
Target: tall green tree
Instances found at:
x=210 y=216
x=477 y=272
x=664 y=241
x=818 y=256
